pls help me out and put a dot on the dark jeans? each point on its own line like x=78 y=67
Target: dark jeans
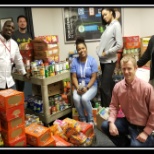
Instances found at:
x=125 y=129
x=20 y=85
x=107 y=83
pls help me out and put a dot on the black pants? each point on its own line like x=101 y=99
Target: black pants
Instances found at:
x=107 y=83
x=20 y=85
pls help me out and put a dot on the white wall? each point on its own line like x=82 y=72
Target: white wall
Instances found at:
x=49 y=21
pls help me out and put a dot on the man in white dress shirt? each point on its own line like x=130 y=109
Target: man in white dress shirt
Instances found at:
x=9 y=55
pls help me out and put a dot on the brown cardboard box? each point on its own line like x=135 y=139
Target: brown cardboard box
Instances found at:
x=13 y=134
x=37 y=135
x=40 y=54
x=19 y=142
x=53 y=89
x=14 y=123
x=55 y=58
x=10 y=98
x=102 y=114
x=75 y=114
x=144 y=44
x=12 y=112
x=50 y=143
x=99 y=121
x=41 y=45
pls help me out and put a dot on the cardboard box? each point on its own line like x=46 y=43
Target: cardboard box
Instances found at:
x=37 y=135
x=14 y=123
x=46 y=53
x=55 y=58
x=102 y=114
x=10 y=98
x=12 y=112
x=41 y=45
x=47 y=39
x=144 y=45
x=99 y=121
x=13 y=134
x=53 y=89
x=131 y=42
x=50 y=143
x=75 y=114
x=144 y=42
x=19 y=142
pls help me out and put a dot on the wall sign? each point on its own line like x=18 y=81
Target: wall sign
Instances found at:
x=84 y=22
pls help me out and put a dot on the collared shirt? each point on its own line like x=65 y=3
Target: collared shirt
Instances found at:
x=137 y=103
x=111 y=41
x=91 y=67
x=9 y=54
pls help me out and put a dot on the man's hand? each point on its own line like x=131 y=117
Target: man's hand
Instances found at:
x=113 y=129
x=27 y=76
x=142 y=137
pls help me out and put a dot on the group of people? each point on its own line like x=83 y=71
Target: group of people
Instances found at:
x=134 y=95
x=10 y=54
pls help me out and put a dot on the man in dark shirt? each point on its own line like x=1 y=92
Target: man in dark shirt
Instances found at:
x=148 y=55
x=21 y=36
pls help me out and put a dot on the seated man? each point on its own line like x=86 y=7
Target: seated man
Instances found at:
x=136 y=98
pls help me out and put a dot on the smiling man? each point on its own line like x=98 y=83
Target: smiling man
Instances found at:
x=9 y=55
x=136 y=98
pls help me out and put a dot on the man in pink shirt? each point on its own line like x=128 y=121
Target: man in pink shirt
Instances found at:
x=136 y=98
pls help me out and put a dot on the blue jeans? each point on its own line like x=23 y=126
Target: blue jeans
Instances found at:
x=82 y=103
x=125 y=129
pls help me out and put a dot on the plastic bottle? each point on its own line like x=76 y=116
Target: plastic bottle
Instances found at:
x=42 y=71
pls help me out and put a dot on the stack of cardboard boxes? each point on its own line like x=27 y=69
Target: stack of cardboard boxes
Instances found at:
x=46 y=48
x=12 y=117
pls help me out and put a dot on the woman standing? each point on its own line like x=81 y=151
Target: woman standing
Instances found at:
x=110 y=42
x=84 y=78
